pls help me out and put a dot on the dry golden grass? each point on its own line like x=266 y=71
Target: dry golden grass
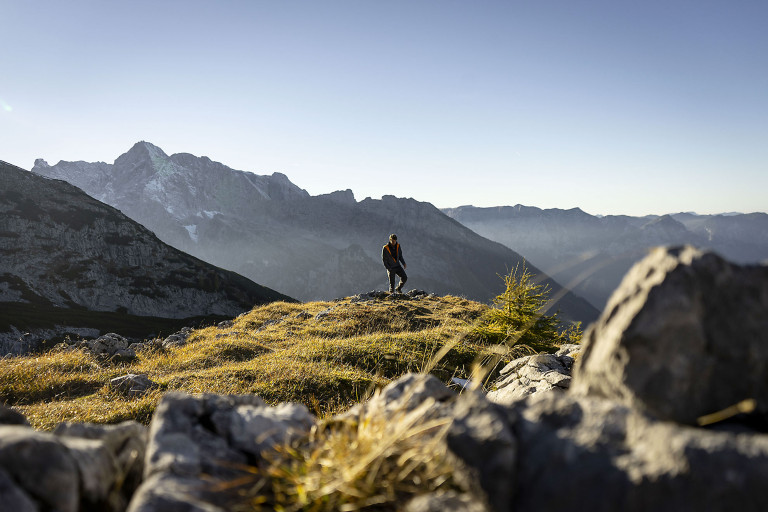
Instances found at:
x=368 y=462
x=279 y=351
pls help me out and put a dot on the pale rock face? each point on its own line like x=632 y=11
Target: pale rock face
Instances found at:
x=199 y=444
x=531 y=375
x=684 y=336
x=606 y=456
x=81 y=467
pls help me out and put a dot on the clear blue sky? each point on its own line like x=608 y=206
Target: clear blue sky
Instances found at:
x=613 y=106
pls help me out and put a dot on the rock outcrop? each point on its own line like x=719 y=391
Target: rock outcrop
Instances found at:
x=79 y=468
x=132 y=385
x=600 y=455
x=685 y=335
x=199 y=445
x=534 y=374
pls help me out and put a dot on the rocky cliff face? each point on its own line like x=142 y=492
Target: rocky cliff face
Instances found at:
x=273 y=232
x=590 y=254
x=65 y=251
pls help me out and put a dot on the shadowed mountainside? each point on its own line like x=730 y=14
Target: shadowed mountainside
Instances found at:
x=69 y=260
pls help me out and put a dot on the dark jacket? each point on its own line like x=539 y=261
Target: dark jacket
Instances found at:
x=392 y=257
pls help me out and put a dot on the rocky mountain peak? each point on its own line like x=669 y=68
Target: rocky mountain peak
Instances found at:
x=282 y=188
x=667 y=224
x=143 y=158
x=341 y=196
x=144 y=149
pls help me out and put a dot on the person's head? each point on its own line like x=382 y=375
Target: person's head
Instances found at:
x=393 y=239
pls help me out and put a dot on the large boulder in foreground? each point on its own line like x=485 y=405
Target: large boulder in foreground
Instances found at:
x=684 y=336
x=82 y=467
x=587 y=453
x=200 y=445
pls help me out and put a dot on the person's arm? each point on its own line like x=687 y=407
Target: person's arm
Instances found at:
x=400 y=255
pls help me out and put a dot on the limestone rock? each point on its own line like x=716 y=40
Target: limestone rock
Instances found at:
x=568 y=349
x=83 y=468
x=13 y=497
x=324 y=313
x=379 y=294
x=110 y=346
x=126 y=443
x=530 y=375
x=132 y=385
x=177 y=339
x=10 y=416
x=445 y=501
x=404 y=395
x=685 y=335
x=481 y=437
x=41 y=468
x=201 y=443
x=605 y=456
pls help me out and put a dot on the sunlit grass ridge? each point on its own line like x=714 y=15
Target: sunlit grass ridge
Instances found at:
x=326 y=355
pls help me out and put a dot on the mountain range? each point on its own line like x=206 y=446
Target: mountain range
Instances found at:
x=590 y=254
x=72 y=264
x=275 y=233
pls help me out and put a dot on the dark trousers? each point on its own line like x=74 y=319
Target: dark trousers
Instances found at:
x=397 y=271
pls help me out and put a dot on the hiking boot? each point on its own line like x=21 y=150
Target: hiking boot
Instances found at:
x=399 y=288
x=391 y=290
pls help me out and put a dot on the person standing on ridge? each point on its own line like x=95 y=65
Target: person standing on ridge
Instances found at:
x=392 y=256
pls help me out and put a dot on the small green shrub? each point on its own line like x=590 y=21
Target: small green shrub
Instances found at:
x=516 y=320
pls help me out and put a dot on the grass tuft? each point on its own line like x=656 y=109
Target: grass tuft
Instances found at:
x=386 y=461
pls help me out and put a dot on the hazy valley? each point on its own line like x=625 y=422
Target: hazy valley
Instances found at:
x=590 y=254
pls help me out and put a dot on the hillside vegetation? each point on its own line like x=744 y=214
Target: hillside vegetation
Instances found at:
x=326 y=355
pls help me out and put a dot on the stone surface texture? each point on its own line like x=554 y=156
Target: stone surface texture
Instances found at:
x=531 y=375
x=200 y=443
x=685 y=335
x=80 y=468
x=600 y=455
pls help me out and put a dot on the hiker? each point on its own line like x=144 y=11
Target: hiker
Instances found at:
x=392 y=256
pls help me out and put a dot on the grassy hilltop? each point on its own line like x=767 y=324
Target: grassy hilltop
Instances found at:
x=281 y=352
x=326 y=355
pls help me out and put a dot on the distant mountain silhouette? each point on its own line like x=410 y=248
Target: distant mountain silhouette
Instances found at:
x=591 y=254
x=310 y=247
x=66 y=256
